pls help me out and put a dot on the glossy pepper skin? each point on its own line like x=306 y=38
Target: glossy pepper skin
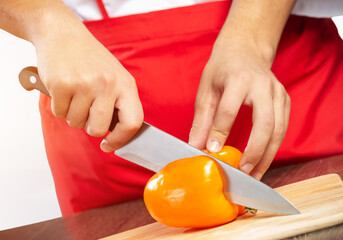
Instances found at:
x=189 y=192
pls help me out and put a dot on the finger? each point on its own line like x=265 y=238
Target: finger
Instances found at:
x=203 y=118
x=100 y=116
x=205 y=107
x=130 y=115
x=79 y=110
x=226 y=114
x=263 y=126
x=277 y=136
x=60 y=101
x=287 y=110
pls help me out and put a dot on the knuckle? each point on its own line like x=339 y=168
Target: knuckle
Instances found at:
x=269 y=124
x=128 y=80
x=199 y=105
x=279 y=133
x=62 y=84
x=279 y=87
x=267 y=79
x=206 y=71
x=50 y=80
x=204 y=106
x=195 y=126
x=131 y=79
x=59 y=112
x=84 y=86
x=243 y=76
x=99 y=112
x=288 y=99
x=96 y=132
x=219 y=133
x=134 y=125
x=257 y=153
x=268 y=85
x=106 y=82
x=229 y=111
x=115 y=143
x=101 y=82
x=96 y=82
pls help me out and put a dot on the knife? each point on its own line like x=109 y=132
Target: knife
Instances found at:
x=153 y=149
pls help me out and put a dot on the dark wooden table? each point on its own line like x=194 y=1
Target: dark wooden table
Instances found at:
x=106 y=221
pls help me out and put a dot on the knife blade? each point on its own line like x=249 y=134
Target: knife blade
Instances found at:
x=153 y=149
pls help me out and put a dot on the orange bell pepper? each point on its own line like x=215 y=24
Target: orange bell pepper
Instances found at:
x=231 y=156
x=189 y=192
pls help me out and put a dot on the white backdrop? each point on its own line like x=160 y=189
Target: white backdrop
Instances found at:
x=26 y=187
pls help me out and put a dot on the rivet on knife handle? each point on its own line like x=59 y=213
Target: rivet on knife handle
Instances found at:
x=30 y=80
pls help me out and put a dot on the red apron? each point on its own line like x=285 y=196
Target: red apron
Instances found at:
x=166 y=52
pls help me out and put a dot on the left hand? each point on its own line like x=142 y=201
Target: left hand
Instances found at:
x=238 y=73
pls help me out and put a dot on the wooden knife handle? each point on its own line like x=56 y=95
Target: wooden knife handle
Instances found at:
x=29 y=79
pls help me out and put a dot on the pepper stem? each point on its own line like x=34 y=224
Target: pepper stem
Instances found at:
x=250 y=210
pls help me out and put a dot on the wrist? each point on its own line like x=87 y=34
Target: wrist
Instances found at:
x=49 y=23
x=256 y=26
x=263 y=49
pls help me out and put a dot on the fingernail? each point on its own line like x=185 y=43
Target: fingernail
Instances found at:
x=214 y=146
x=257 y=175
x=89 y=130
x=68 y=121
x=190 y=137
x=190 y=140
x=104 y=146
x=247 y=167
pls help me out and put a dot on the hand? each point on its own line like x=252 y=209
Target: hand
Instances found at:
x=239 y=74
x=86 y=83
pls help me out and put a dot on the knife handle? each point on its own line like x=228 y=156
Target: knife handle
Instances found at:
x=30 y=80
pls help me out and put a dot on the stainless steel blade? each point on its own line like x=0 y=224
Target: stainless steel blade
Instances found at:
x=153 y=149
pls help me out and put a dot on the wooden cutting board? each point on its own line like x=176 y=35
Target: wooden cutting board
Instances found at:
x=320 y=201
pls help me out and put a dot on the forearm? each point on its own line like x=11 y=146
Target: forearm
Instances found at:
x=35 y=20
x=259 y=21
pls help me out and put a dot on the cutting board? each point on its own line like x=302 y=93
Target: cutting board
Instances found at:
x=320 y=201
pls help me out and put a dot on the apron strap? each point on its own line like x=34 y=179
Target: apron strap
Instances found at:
x=102 y=9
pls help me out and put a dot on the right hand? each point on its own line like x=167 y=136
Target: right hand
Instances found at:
x=86 y=83
x=237 y=74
